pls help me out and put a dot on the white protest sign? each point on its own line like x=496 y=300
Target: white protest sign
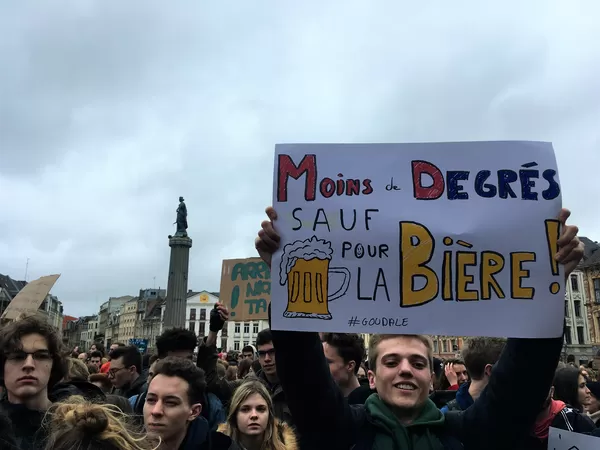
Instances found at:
x=445 y=238
x=567 y=440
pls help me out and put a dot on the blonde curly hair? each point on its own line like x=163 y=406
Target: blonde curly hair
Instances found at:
x=78 y=423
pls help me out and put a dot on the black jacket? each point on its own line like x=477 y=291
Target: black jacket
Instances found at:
x=325 y=420
x=360 y=395
x=27 y=430
x=199 y=437
x=7 y=436
x=568 y=419
x=135 y=388
x=207 y=361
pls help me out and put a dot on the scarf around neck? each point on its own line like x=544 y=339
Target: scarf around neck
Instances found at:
x=392 y=435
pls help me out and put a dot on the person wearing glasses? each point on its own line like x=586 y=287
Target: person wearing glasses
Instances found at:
x=125 y=371
x=268 y=375
x=31 y=364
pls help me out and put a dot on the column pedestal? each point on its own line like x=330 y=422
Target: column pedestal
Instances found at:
x=177 y=286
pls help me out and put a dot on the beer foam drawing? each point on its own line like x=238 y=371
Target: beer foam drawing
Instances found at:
x=305 y=268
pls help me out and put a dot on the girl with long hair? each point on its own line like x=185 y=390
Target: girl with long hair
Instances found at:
x=251 y=422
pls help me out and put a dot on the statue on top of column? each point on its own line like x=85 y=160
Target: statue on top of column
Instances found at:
x=181 y=219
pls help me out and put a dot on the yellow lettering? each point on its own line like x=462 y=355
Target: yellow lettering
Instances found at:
x=517 y=273
x=447 y=276
x=491 y=264
x=464 y=260
x=417 y=246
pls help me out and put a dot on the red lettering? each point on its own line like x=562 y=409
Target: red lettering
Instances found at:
x=327 y=187
x=287 y=168
x=368 y=188
x=432 y=192
x=353 y=187
x=340 y=185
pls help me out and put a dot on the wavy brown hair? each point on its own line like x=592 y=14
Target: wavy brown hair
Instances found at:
x=79 y=424
x=10 y=341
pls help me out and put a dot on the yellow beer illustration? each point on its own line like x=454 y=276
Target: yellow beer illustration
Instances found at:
x=305 y=267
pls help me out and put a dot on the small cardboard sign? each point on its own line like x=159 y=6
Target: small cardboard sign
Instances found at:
x=246 y=289
x=29 y=299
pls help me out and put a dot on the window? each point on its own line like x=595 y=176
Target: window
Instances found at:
x=193 y=314
x=577 y=304
x=236 y=346
x=597 y=289
x=454 y=345
x=568 y=335
x=567 y=308
x=580 y=335
x=246 y=328
x=202 y=329
x=237 y=328
x=444 y=346
x=574 y=283
x=435 y=346
x=192 y=326
x=255 y=328
x=203 y=314
x=246 y=343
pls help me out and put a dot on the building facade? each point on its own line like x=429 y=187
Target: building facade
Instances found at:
x=235 y=335
x=89 y=332
x=71 y=333
x=128 y=320
x=591 y=270
x=241 y=334
x=152 y=322
x=197 y=313
x=577 y=333
x=111 y=334
x=447 y=347
x=107 y=308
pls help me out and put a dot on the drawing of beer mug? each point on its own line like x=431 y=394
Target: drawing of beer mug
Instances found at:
x=305 y=267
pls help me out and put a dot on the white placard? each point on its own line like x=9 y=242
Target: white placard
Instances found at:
x=567 y=440
x=442 y=238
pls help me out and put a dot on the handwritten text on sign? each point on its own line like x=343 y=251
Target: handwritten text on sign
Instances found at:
x=246 y=288
x=447 y=238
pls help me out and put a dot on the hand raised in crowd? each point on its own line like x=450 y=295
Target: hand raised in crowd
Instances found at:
x=268 y=239
x=450 y=374
x=218 y=316
x=570 y=248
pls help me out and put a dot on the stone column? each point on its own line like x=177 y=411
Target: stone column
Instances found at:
x=177 y=287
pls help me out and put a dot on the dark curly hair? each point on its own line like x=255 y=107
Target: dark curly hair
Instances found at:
x=350 y=347
x=186 y=370
x=175 y=339
x=11 y=337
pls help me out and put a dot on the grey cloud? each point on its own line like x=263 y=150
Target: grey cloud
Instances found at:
x=110 y=111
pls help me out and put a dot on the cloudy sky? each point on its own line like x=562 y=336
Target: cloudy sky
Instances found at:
x=111 y=110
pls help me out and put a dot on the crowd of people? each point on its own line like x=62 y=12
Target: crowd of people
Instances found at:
x=291 y=390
